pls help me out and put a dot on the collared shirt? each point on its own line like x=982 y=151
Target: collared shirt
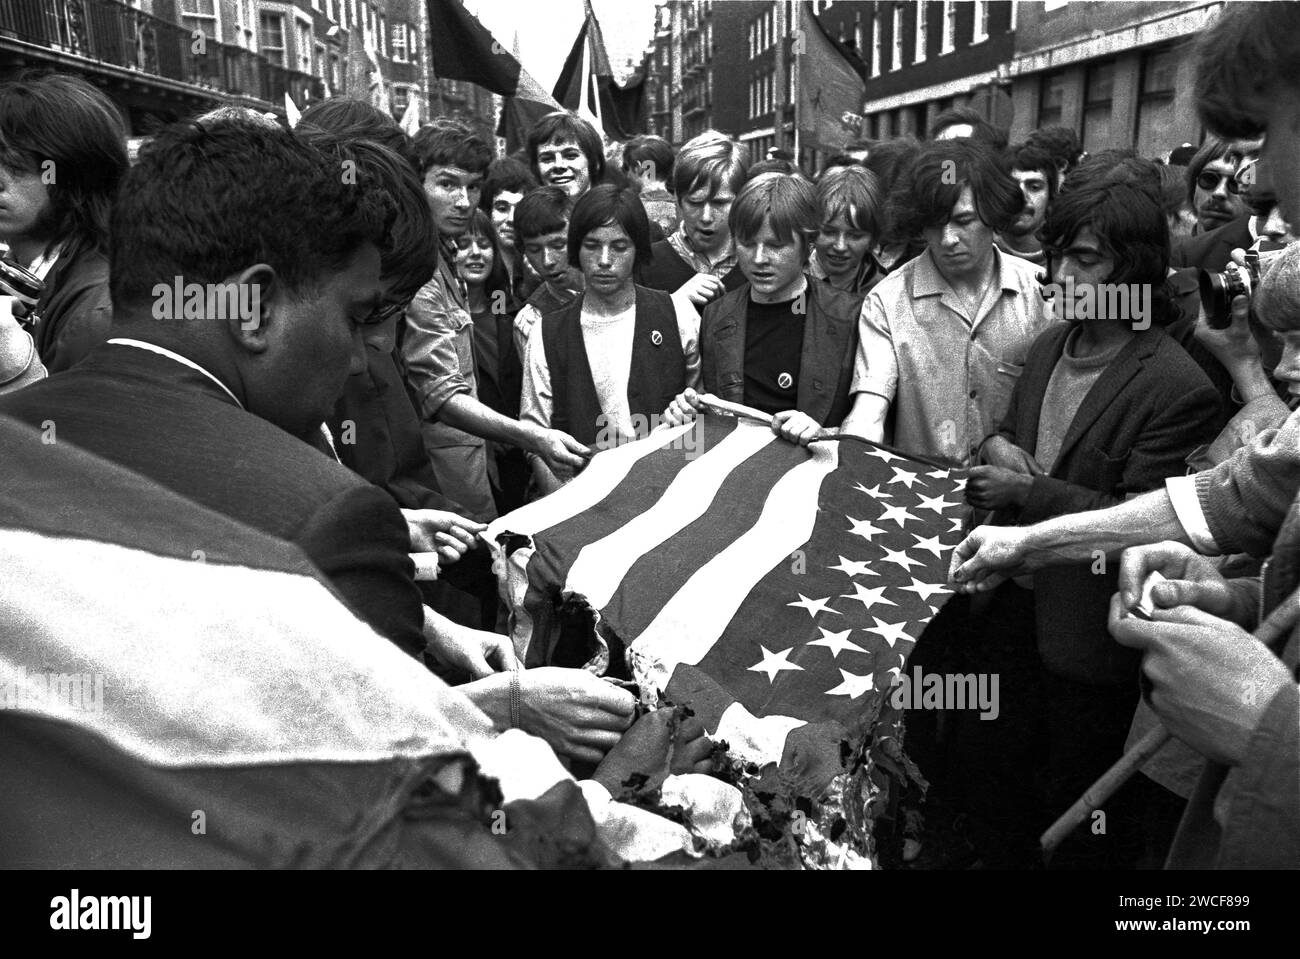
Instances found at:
x=870 y=272
x=947 y=375
x=438 y=350
x=700 y=263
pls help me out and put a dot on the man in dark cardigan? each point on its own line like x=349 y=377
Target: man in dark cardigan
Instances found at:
x=1107 y=406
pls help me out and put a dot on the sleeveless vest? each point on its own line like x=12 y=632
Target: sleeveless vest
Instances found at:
x=657 y=373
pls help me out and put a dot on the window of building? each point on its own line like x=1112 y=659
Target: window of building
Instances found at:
x=272 y=42
x=383 y=35
x=315 y=5
x=1159 y=128
x=321 y=62
x=858 y=47
x=981 y=21
x=399 y=42
x=329 y=9
x=1097 y=90
x=896 y=62
x=1051 y=98
x=334 y=72
x=922 y=33
x=200 y=15
x=949 y=27
x=304 y=46
x=876 y=43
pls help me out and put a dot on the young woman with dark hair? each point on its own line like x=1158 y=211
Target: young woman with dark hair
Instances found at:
x=480 y=264
x=62 y=155
x=605 y=365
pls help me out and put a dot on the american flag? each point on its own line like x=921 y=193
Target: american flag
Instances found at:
x=775 y=589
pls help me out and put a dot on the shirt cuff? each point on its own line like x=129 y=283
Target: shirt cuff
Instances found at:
x=1187 y=507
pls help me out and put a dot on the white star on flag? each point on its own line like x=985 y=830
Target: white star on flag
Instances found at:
x=898 y=514
x=930 y=543
x=853 y=686
x=836 y=642
x=884 y=455
x=863 y=527
x=773 y=663
x=938 y=474
x=925 y=590
x=869 y=597
x=900 y=557
x=875 y=492
x=854 y=567
x=889 y=632
x=814 y=606
x=958 y=525
x=936 y=503
x=903 y=476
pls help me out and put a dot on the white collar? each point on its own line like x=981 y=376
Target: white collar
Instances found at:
x=163 y=351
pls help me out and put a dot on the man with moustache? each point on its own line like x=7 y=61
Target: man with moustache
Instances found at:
x=1035 y=171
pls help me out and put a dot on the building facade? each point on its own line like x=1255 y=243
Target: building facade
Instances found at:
x=1119 y=74
x=161 y=60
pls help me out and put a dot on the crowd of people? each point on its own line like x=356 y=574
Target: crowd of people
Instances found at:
x=398 y=339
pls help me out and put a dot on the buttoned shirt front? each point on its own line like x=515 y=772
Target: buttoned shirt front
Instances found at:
x=947 y=374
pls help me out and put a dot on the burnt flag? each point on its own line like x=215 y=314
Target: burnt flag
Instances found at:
x=776 y=590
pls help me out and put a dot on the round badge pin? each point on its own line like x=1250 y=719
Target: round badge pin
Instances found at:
x=784 y=381
x=656 y=338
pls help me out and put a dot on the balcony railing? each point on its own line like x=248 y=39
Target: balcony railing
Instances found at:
x=111 y=32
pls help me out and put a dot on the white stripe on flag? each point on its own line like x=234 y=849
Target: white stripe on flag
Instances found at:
x=605 y=471
x=690 y=623
x=601 y=565
x=754 y=739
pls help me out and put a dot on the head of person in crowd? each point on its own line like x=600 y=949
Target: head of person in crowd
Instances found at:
x=1107 y=226
x=890 y=158
x=1035 y=171
x=505 y=185
x=774 y=222
x=965 y=123
x=480 y=264
x=648 y=163
x=409 y=256
x=851 y=219
x=1211 y=185
x=957 y=196
x=1179 y=211
x=62 y=157
x=709 y=171
x=1062 y=145
x=261 y=217
x=542 y=236
x=859 y=150
x=1277 y=305
x=840 y=161
x=1181 y=155
x=453 y=160
x=358 y=120
x=773 y=165
x=564 y=150
x=609 y=236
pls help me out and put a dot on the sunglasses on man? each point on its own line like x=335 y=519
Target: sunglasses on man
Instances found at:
x=1209 y=181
